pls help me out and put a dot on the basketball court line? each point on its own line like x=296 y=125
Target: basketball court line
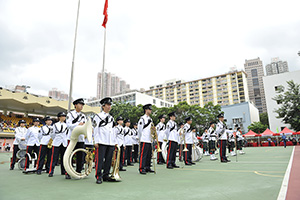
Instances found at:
x=284 y=186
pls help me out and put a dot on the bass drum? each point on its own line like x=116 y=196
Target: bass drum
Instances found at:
x=21 y=163
x=21 y=154
x=22 y=145
x=164 y=148
x=197 y=154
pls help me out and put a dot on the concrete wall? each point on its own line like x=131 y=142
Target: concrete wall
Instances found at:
x=270 y=82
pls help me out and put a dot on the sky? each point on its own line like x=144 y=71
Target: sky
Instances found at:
x=147 y=42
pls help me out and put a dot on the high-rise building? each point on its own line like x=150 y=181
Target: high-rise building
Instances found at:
x=226 y=89
x=112 y=85
x=276 y=66
x=255 y=72
x=58 y=95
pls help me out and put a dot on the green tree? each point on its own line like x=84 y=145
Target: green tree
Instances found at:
x=289 y=101
x=264 y=118
x=257 y=127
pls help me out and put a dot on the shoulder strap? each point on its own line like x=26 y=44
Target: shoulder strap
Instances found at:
x=146 y=125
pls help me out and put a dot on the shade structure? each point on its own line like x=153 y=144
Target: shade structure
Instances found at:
x=296 y=133
x=286 y=131
x=251 y=134
x=267 y=132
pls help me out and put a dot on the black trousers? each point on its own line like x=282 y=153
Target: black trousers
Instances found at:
x=223 y=149
x=122 y=157
x=205 y=147
x=160 y=159
x=14 y=157
x=103 y=160
x=212 y=146
x=145 y=156
x=30 y=150
x=128 y=154
x=240 y=145
x=230 y=146
x=181 y=147
x=136 y=152
x=79 y=157
x=187 y=155
x=43 y=152
x=56 y=152
x=171 y=153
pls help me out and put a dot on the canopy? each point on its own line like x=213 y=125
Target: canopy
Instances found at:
x=276 y=134
x=286 y=131
x=296 y=133
x=267 y=132
x=251 y=134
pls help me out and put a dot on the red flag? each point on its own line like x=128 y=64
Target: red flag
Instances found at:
x=105 y=14
x=4 y=142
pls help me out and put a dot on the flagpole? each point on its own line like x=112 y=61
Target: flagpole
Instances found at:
x=102 y=78
x=72 y=70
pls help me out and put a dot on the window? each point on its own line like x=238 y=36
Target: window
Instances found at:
x=255 y=82
x=256 y=91
x=254 y=72
x=154 y=101
x=258 y=102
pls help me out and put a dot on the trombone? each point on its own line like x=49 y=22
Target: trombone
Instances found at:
x=154 y=137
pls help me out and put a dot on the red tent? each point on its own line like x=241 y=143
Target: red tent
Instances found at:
x=276 y=134
x=267 y=132
x=286 y=131
x=251 y=134
x=296 y=133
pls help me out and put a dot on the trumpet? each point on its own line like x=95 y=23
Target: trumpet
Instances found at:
x=49 y=145
x=154 y=136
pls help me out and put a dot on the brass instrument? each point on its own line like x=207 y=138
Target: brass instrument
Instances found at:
x=49 y=145
x=115 y=164
x=182 y=133
x=155 y=136
x=86 y=130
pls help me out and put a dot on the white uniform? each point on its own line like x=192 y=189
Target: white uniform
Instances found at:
x=239 y=136
x=127 y=136
x=172 y=132
x=220 y=131
x=103 y=130
x=205 y=137
x=160 y=129
x=20 y=134
x=44 y=135
x=135 y=137
x=189 y=134
x=119 y=135
x=144 y=130
x=230 y=135
x=59 y=134
x=212 y=134
x=73 y=119
x=32 y=136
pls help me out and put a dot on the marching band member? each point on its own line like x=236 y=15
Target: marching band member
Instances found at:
x=44 y=137
x=75 y=118
x=212 y=141
x=173 y=137
x=221 y=133
x=32 y=140
x=20 y=133
x=145 y=138
x=231 y=140
x=59 y=144
x=180 y=142
x=189 y=141
x=160 y=129
x=105 y=141
x=135 y=140
x=128 y=142
x=119 y=132
x=205 y=137
x=239 y=139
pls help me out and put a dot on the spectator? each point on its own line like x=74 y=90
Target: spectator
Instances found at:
x=269 y=140
x=284 y=139
x=275 y=142
x=7 y=147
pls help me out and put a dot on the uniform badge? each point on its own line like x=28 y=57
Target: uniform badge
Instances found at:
x=141 y=123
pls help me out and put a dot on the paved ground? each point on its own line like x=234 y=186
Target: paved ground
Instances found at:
x=257 y=175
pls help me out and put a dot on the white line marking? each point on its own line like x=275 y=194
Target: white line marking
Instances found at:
x=285 y=182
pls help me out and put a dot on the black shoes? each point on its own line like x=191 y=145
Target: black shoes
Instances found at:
x=122 y=169
x=160 y=163
x=11 y=168
x=188 y=163
x=176 y=166
x=108 y=178
x=150 y=170
x=143 y=172
x=50 y=175
x=170 y=167
x=193 y=163
x=68 y=176
x=99 y=181
x=130 y=164
x=38 y=172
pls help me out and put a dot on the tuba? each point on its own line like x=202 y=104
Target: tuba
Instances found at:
x=86 y=130
x=154 y=136
x=115 y=164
